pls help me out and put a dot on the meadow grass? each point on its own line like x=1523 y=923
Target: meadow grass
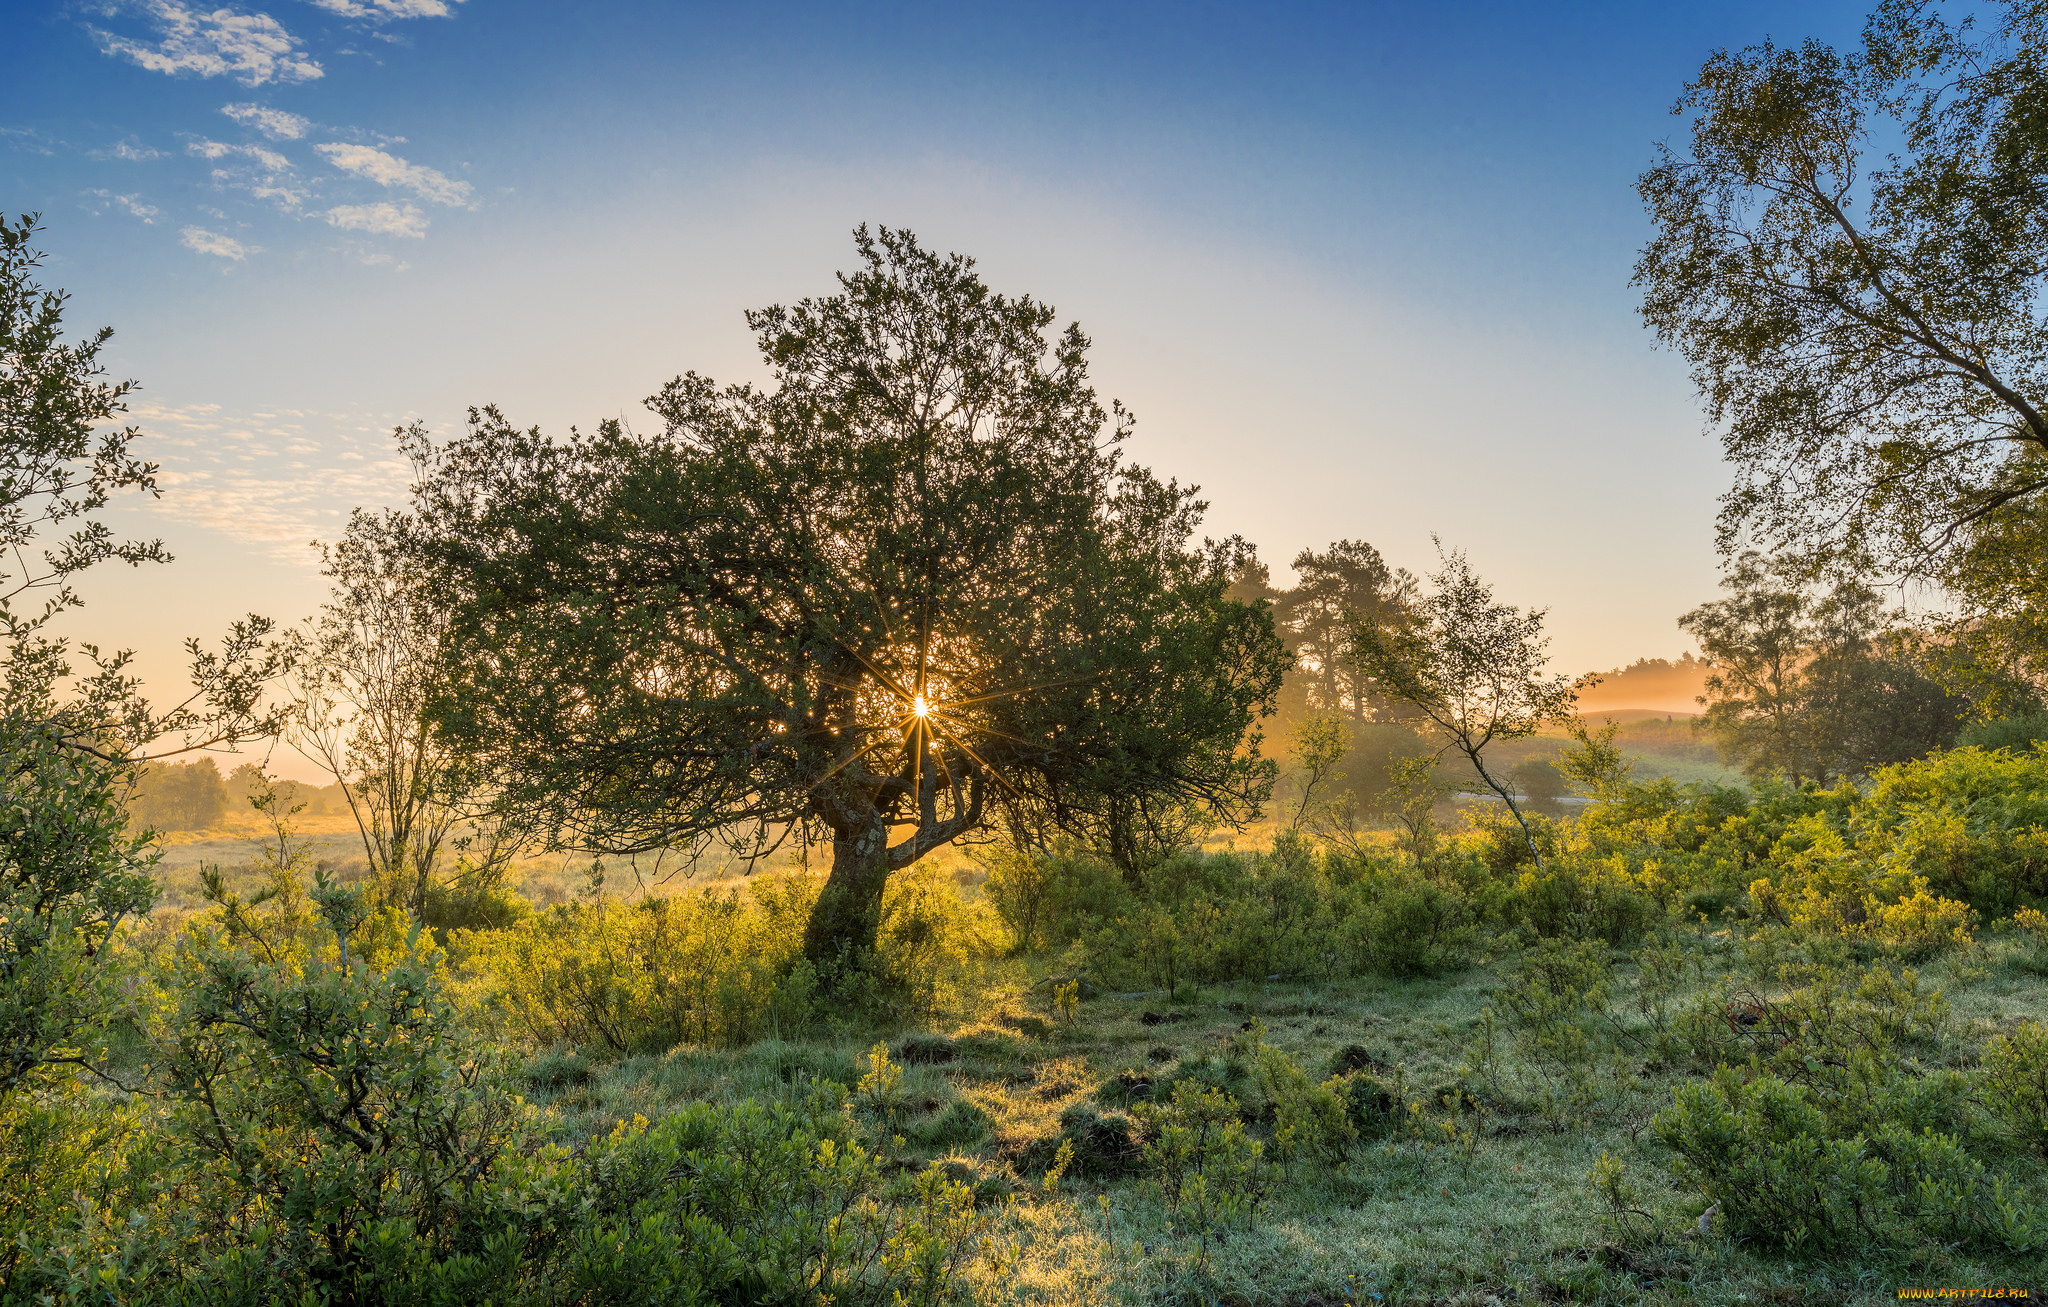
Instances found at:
x=1410 y=1218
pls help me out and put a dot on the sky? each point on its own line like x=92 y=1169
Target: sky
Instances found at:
x=1361 y=270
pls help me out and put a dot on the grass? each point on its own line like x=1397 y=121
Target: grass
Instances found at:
x=1406 y=1219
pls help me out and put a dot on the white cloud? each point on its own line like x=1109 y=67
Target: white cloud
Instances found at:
x=381 y=219
x=222 y=247
x=131 y=152
x=131 y=203
x=390 y=170
x=274 y=123
x=382 y=11
x=25 y=138
x=275 y=479
x=289 y=198
x=251 y=48
x=270 y=160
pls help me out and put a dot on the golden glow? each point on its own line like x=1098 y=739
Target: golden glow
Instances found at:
x=919 y=706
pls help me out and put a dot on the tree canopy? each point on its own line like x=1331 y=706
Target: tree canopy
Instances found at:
x=1816 y=686
x=1867 y=328
x=911 y=583
x=72 y=735
x=1468 y=669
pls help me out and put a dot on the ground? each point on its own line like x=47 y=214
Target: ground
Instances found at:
x=1511 y=1217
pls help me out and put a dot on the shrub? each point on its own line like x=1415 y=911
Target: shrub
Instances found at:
x=60 y=1144
x=2018 y=1068
x=709 y=968
x=1921 y=924
x=757 y=1204
x=1578 y=896
x=928 y=936
x=1973 y=822
x=1372 y=1104
x=1206 y=1170
x=330 y=1107
x=2029 y=930
x=1556 y=999
x=1309 y=1118
x=1020 y=888
x=1762 y=1151
x=1408 y=925
x=880 y=1091
x=1786 y=1174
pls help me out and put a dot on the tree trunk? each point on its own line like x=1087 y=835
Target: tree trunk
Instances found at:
x=848 y=915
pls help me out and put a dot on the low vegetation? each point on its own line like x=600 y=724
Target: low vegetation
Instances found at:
x=1722 y=1045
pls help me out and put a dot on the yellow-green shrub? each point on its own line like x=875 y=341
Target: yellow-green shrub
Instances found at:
x=1973 y=822
x=715 y=967
x=930 y=938
x=2018 y=1067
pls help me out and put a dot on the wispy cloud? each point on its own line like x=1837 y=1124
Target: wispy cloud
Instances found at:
x=278 y=478
x=383 y=11
x=382 y=219
x=129 y=151
x=274 y=123
x=221 y=247
x=252 y=48
x=131 y=204
x=26 y=138
x=390 y=170
x=264 y=174
x=270 y=160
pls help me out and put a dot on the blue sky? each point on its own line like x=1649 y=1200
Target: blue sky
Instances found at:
x=1361 y=270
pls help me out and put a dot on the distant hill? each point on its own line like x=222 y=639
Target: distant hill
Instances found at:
x=1648 y=686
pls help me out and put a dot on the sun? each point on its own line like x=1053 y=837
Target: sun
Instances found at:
x=919 y=707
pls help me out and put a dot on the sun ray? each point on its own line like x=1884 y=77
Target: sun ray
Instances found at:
x=987 y=766
x=887 y=681
x=981 y=730
x=1021 y=689
x=837 y=767
x=881 y=611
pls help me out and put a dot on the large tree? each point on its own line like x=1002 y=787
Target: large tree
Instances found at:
x=906 y=592
x=1348 y=580
x=1867 y=327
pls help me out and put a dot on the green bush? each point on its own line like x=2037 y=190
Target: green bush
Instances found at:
x=2017 y=1066
x=1372 y=1103
x=929 y=939
x=1408 y=925
x=1556 y=998
x=328 y=1107
x=1783 y=1173
x=1203 y=1166
x=2013 y=733
x=757 y=1204
x=1763 y=1153
x=711 y=968
x=1309 y=1117
x=1973 y=823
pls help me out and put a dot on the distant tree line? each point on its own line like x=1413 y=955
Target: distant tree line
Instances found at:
x=190 y=796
